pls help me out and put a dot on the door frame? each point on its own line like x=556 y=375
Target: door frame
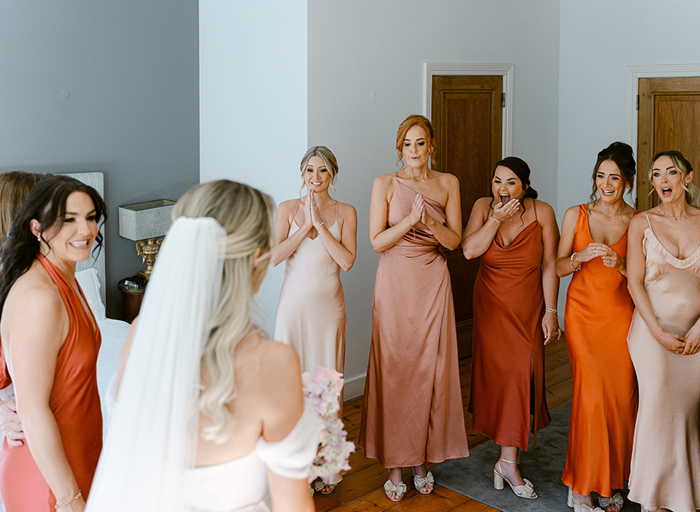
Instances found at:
x=634 y=73
x=431 y=69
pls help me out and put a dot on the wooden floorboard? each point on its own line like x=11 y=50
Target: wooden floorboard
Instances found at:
x=362 y=489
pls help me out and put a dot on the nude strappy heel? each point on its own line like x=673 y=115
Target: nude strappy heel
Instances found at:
x=526 y=491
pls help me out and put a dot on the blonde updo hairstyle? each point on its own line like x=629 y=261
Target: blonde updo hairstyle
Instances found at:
x=328 y=158
x=681 y=163
x=246 y=214
x=407 y=124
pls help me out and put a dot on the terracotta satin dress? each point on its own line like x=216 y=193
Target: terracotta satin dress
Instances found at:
x=598 y=314
x=508 y=338
x=74 y=402
x=666 y=454
x=412 y=410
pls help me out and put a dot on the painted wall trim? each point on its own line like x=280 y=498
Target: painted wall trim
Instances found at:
x=354 y=387
x=448 y=68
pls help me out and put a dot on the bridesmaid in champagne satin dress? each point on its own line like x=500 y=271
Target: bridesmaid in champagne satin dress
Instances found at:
x=663 y=265
x=318 y=238
x=412 y=410
x=515 y=299
x=599 y=310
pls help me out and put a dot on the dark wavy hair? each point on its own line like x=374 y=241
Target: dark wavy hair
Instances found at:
x=47 y=204
x=623 y=156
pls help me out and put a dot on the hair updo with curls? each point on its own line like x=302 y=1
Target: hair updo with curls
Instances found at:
x=521 y=170
x=620 y=154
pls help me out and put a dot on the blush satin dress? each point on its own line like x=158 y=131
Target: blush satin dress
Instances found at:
x=666 y=453
x=412 y=410
x=75 y=404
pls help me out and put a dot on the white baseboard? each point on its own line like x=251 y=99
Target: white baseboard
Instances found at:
x=354 y=387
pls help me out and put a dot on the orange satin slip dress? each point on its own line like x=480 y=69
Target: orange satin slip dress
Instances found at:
x=598 y=314
x=75 y=404
x=508 y=348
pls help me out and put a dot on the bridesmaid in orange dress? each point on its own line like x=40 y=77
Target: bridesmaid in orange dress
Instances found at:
x=50 y=340
x=599 y=308
x=515 y=298
x=412 y=411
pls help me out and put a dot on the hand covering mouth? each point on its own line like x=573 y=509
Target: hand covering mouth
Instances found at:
x=504 y=198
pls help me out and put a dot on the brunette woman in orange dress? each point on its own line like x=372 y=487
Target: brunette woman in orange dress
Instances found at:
x=50 y=340
x=599 y=309
x=515 y=299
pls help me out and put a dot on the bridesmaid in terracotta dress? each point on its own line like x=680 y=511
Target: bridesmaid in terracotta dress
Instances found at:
x=599 y=308
x=515 y=298
x=412 y=411
x=663 y=266
x=318 y=237
x=51 y=341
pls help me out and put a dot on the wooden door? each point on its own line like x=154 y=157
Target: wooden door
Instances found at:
x=467 y=118
x=669 y=118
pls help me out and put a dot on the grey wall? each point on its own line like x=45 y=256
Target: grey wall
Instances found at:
x=131 y=68
x=356 y=47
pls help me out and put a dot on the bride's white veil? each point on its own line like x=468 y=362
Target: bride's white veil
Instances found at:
x=153 y=431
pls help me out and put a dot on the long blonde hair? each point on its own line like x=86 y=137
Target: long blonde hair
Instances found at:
x=246 y=215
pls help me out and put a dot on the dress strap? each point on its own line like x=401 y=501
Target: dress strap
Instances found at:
x=648 y=221
x=336 y=210
x=295 y=210
x=534 y=204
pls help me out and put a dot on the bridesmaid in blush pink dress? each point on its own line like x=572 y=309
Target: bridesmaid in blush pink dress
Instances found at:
x=663 y=271
x=412 y=411
x=318 y=238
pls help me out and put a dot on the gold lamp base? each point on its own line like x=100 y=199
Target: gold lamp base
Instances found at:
x=148 y=251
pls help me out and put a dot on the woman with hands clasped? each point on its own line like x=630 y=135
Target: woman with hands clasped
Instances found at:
x=663 y=269
x=515 y=299
x=593 y=248
x=318 y=237
x=412 y=411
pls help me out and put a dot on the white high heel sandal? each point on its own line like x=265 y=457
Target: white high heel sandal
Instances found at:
x=526 y=491
x=582 y=507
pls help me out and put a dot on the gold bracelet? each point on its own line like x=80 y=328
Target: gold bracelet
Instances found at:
x=66 y=503
x=572 y=263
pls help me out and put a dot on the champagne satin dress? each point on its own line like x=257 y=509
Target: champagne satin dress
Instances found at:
x=598 y=314
x=75 y=404
x=666 y=454
x=412 y=410
x=508 y=348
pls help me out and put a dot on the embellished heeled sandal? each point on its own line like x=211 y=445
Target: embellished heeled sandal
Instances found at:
x=423 y=481
x=399 y=489
x=581 y=507
x=616 y=500
x=526 y=491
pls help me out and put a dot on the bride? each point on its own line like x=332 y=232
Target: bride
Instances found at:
x=210 y=415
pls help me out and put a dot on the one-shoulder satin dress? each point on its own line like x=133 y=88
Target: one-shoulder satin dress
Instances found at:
x=665 y=469
x=75 y=404
x=413 y=411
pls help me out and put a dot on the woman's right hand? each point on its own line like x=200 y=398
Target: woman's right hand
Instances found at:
x=10 y=423
x=671 y=341
x=503 y=212
x=592 y=251
x=308 y=213
x=416 y=210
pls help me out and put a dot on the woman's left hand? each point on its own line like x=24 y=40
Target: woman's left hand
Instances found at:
x=425 y=218
x=613 y=260
x=692 y=341
x=550 y=326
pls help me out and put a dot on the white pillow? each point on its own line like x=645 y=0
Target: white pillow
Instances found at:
x=90 y=284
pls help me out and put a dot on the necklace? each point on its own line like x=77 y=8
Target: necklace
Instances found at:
x=619 y=213
x=672 y=217
x=324 y=204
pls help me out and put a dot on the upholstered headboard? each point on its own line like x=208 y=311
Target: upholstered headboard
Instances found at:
x=97 y=181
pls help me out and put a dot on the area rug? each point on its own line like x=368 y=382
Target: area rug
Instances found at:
x=543 y=464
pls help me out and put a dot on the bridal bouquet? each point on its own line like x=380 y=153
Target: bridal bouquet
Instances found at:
x=323 y=391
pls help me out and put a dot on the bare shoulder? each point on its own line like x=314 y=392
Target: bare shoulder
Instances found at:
x=346 y=210
x=383 y=182
x=482 y=204
x=35 y=289
x=571 y=211
x=543 y=207
x=264 y=363
x=448 y=180
x=639 y=222
x=287 y=207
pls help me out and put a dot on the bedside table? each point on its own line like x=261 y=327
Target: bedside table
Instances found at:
x=132 y=289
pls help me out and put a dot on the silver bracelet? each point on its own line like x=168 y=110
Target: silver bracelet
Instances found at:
x=550 y=310
x=495 y=220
